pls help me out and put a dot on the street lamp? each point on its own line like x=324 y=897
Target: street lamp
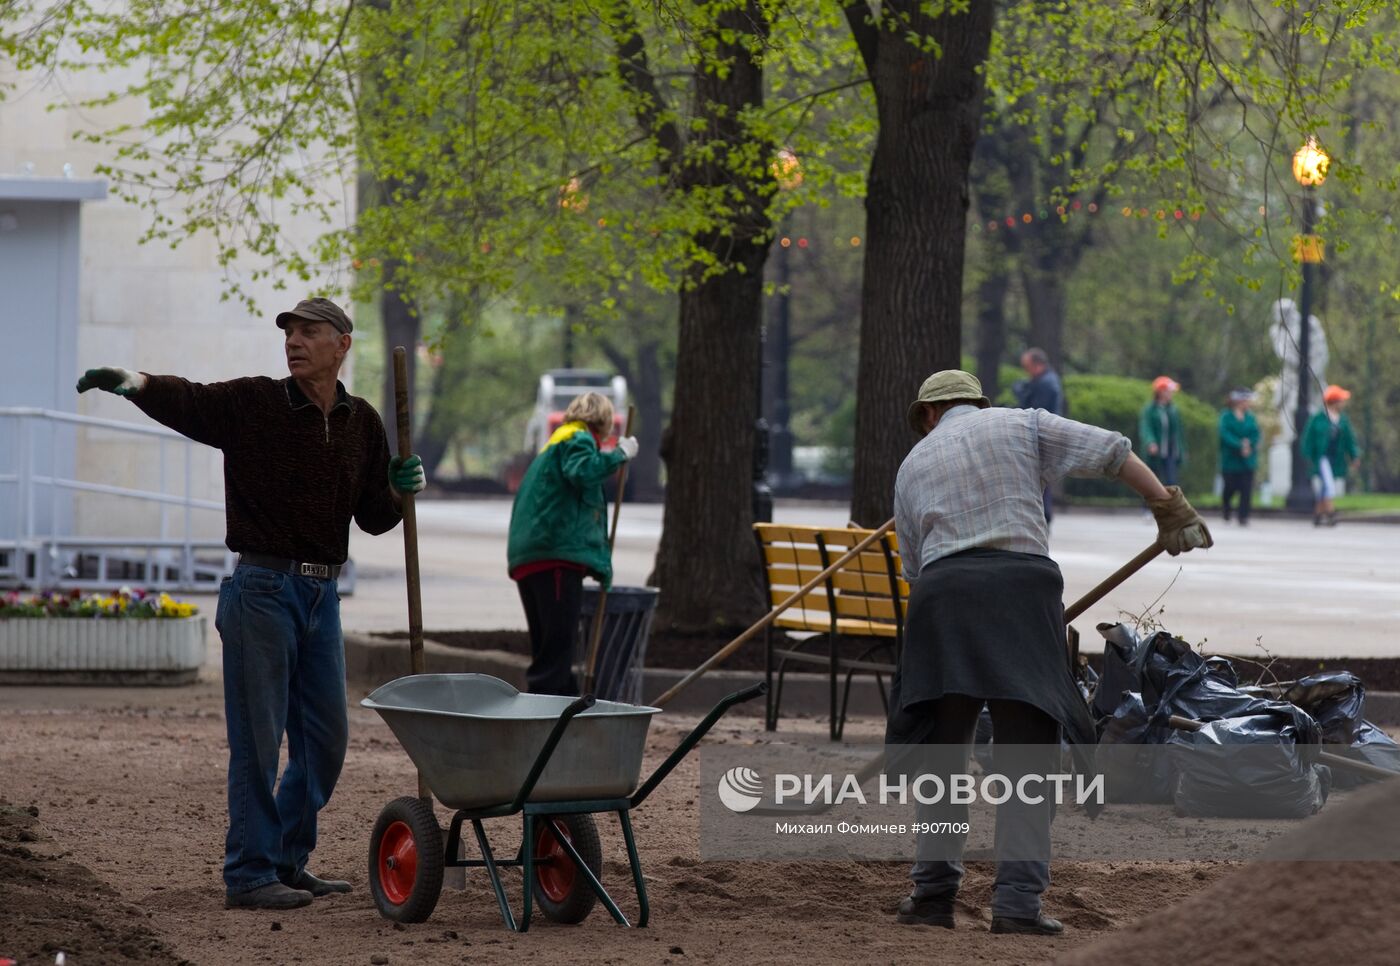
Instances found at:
x=787 y=171
x=1310 y=170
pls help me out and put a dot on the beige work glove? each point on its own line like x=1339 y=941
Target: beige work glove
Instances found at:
x=1179 y=526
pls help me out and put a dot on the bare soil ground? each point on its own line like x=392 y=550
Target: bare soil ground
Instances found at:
x=121 y=864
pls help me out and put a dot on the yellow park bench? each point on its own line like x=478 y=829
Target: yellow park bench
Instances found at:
x=863 y=601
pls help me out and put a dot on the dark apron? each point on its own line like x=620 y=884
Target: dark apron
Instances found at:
x=988 y=624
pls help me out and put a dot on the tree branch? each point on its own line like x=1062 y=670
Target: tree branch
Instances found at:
x=863 y=31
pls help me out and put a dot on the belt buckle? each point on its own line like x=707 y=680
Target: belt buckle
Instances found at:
x=315 y=570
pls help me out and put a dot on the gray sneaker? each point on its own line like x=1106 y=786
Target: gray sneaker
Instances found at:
x=274 y=895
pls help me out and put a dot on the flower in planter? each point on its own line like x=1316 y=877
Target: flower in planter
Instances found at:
x=126 y=603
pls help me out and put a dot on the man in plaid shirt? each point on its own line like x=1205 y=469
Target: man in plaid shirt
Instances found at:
x=985 y=622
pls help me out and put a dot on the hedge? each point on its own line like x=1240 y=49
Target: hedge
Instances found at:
x=1114 y=402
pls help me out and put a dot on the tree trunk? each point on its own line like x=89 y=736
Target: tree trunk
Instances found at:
x=991 y=325
x=450 y=374
x=402 y=327
x=990 y=188
x=916 y=216
x=1043 y=278
x=707 y=565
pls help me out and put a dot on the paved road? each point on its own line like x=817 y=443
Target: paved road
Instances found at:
x=1297 y=590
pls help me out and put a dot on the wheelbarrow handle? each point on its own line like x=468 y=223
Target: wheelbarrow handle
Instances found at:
x=693 y=739
x=576 y=707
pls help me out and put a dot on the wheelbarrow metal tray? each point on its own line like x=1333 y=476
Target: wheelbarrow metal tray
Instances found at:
x=474 y=738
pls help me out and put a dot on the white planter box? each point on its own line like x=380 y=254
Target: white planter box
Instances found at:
x=79 y=650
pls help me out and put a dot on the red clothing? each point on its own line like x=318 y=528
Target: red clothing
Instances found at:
x=539 y=566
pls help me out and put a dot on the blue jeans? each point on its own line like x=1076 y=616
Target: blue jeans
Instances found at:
x=284 y=672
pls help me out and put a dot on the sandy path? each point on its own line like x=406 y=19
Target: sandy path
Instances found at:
x=131 y=785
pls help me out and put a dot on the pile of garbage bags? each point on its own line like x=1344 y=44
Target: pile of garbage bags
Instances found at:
x=1241 y=751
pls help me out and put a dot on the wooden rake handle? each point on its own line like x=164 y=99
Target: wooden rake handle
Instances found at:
x=410 y=531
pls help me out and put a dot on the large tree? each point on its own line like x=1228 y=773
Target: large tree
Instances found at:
x=923 y=62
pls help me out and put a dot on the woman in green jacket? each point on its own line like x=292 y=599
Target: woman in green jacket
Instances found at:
x=1329 y=446
x=1239 y=452
x=558 y=533
x=1161 y=442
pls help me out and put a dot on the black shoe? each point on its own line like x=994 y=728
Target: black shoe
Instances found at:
x=319 y=887
x=934 y=911
x=1226 y=514
x=274 y=895
x=1039 y=926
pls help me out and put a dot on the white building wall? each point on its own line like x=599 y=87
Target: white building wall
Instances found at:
x=146 y=307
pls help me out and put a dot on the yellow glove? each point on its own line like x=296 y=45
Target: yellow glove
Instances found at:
x=1179 y=527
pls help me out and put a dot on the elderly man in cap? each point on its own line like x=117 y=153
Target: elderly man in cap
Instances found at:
x=985 y=621
x=302 y=457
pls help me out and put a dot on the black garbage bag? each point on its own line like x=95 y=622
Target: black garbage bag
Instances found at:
x=1121 y=651
x=1177 y=680
x=1371 y=745
x=1335 y=699
x=1130 y=755
x=1257 y=766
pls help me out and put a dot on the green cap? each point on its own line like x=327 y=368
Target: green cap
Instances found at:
x=317 y=310
x=943 y=386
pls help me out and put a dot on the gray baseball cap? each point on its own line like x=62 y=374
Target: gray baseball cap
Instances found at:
x=317 y=310
x=945 y=385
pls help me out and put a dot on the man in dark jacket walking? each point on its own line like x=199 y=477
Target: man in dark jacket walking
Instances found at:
x=302 y=457
x=1041 y=391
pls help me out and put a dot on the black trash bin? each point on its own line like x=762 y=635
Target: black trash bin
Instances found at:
x=622 y=648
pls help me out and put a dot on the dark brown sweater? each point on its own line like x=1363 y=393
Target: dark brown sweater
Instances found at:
x=293 y=476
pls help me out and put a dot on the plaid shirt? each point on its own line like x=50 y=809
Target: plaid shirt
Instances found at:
x=977 y=480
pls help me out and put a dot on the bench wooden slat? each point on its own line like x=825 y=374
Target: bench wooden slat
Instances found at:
x=790 y=555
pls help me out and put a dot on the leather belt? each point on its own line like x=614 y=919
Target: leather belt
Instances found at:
x=323 y=571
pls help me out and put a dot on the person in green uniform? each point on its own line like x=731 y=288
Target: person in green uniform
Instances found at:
x=1239 y=453
x=1329 y=445
x=1160 y=439
x=558 y=534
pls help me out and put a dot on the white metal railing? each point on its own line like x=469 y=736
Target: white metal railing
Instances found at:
x=37 y=552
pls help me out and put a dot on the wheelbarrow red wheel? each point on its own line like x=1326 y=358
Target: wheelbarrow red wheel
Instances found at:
x=406 y=860
x=562 y=892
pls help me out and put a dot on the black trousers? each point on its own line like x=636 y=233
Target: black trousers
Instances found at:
x=552 y=600
x=1241 y=484
x=1026 y=741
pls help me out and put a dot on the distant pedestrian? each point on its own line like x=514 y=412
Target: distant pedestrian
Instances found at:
x=1160 y=439
x=1329 y=445
x=1042 y=390
x=558 y=533
x=1239 y=453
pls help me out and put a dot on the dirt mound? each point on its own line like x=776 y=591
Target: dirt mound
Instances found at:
x=51 y=904
x=1302 y=907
